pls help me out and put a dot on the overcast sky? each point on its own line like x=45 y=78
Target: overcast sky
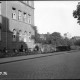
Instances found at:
x=56 y=16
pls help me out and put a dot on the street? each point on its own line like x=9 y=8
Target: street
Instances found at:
x=63 y=66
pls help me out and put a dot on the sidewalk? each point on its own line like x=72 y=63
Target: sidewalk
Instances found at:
x=20 y=58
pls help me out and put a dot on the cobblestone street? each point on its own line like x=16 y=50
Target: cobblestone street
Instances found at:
x=63 y=66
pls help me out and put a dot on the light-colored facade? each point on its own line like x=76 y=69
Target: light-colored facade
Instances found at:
x=16 y=22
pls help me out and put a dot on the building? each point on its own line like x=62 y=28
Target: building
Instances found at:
x=43 y=36
x=16 y=24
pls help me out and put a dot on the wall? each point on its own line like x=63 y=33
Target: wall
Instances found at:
x=8 y=24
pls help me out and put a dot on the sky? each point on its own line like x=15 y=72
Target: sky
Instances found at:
x=56 y=16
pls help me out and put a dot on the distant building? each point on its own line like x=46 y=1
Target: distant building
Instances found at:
x=16 y=24
x=43 y=36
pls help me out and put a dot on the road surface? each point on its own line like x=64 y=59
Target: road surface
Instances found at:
x=63 y=66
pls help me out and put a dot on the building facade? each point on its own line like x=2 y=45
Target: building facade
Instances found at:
x=16 y=22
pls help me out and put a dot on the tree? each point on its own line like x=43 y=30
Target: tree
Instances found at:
x=56 y=38
x=76 y=13
x=77 y=42
x=36 y=37
x=48 y=38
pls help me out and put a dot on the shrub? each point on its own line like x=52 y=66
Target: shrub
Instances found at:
x=63 y=48
x=2 y=55
x=47 y=48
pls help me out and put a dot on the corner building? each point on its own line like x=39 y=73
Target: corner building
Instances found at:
x=16 y=24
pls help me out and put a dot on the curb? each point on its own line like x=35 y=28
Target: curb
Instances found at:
x=21 y=58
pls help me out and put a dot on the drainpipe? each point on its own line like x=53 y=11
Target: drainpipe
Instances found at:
x=6 y=25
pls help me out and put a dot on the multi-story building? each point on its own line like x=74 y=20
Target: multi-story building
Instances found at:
x=16 y=24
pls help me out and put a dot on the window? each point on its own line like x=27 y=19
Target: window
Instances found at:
x=29 y=18
x=25 y=17
x=29 y=35
x=14 y=35
x=25 y=32
x=0 y=8
x=19 y=15
x=20 y=35
x=13 y=13
x=25 y=36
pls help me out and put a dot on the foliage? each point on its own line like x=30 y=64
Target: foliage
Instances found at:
x=77 y=42
x=76 y=13
x=56 y=38
x=36 y=37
